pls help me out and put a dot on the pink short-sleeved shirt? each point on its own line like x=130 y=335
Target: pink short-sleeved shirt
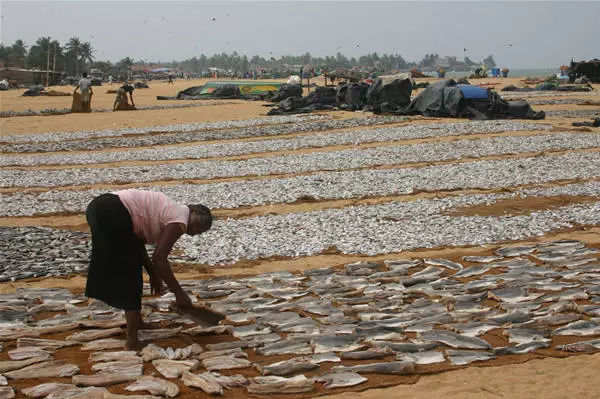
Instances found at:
x=151 y=211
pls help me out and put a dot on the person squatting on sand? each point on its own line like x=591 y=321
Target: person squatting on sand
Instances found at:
x=121 y=103
x=121 y=224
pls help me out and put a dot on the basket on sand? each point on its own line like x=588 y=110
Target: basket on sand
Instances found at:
x=77 y=105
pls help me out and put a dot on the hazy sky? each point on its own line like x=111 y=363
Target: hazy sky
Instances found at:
x=542 y=34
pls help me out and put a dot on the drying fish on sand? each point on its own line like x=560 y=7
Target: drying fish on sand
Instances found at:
x=287 y=367
x=426 y=357
x=225 y=363
x=339 y=379
x=45 y=389
x=58 y=328
x=367 y=354
x=336 y=343
x=134 y=367
x=460 y=358
x=482 y=259
x=156 y=386
x=122 y=356
x=215 y=330
x=152 y=352
x=512 y=295
x=7 y=393
x=101 y=344
x=9 y=365
x=103 y=323
x=275 y=385
x=406 y=346
x=396 y=368
x=582 y=346
x=515 y=251
x=455 y=340
x=235 y=352
x=174 y=368
x=8 y=334
x=54 y=368
x=50 y=344
x=106 y=379
x=151 y=335
x=3 y=380
x=526 y=335
x=445 y=263
x=92 y=335
x=521 y=348
x=581 y=328
x=285 y=346
x=204 y=381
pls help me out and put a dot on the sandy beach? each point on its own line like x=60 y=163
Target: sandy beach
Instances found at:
x=544 y=373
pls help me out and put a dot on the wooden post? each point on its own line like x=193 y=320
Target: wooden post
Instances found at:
x=54 y=63
x=48 y=65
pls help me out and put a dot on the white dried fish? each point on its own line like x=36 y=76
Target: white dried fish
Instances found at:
x=156 y=386
x=101 y=344
x=55 y=368
x=278 y=385
x=50 y=344
x=151 y=335
x=225 y=363
x=204 y=381
x=92 y=335
x=174 y=368
x=122 y=356
x=45 y=389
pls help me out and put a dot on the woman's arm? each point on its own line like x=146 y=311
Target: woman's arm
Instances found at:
x=167 y=239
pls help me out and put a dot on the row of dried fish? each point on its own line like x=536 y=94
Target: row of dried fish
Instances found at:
x=57 y=111
x=188 y=136
x=176 y=128
x=376 y=229
x=575 y=113
x=305 y=141
x=302 y=162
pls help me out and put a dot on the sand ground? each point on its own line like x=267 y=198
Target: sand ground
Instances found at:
x=572 y=377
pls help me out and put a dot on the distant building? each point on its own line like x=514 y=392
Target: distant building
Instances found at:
x=29 y=76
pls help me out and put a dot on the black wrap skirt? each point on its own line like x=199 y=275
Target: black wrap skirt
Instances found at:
x=115 y=272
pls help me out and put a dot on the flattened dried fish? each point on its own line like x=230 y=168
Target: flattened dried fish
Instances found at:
x=151 y=335
x=455 y=340
x=482 y=259
x=204 y=381
x=133 y=367
x=288 y=367
x=512 y=295
x=522 y=348
x=7 y=393
x=568 y=295
x=526 y=335
x=515 y=317
x=582 y=346
x=9 y=365
x=285 y=346
x=215 y=330
x=101 y=344
x=43 y=390
x=156 y=386
x=581 y=328
x=445 y=263
x=554 y=320
x=472 y=329
x=225 y=363
x=515 y=251
x=227 y=345
x=92 y=335
x=367 y=354
x=460 y=358
x=274 y=384
x=235 y=352
x=230 y=381
x=336 y=343
x=174 y=368
x=425 y=357
x=105 y=379
x=103 y=323
x=250 y=330
x=395 y=368
x=408 y=347
x=79 y=393
x=380 y=333
x=114 y=356
x=340 y=379
x=55 y=368
x=50 y=344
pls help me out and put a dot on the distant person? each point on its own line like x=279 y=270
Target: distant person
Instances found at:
x=85 y=87
x=121 y=103
x=110 y=79
x=170 y=80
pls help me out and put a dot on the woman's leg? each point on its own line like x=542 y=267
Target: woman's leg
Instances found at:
x=133 y=318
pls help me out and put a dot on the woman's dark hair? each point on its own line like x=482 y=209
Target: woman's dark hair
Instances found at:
x=203 y=213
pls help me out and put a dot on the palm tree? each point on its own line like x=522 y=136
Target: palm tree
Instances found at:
x=74 y=52
x=86 y=53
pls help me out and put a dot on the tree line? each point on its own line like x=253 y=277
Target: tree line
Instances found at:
x=75 y=56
